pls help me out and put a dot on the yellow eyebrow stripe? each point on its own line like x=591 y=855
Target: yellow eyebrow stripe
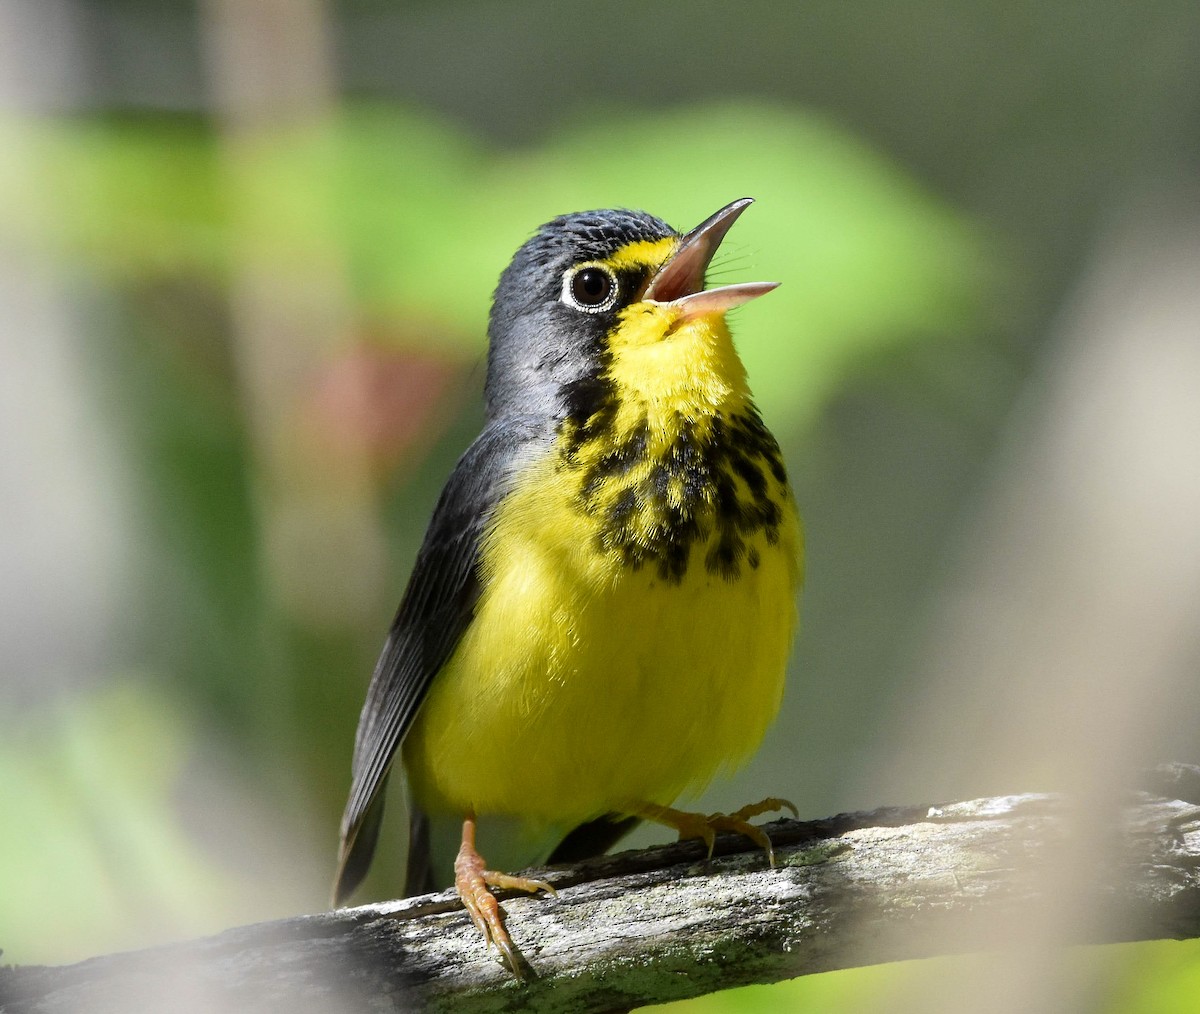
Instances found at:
x=642 y=253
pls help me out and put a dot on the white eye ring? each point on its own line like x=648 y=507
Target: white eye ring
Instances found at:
x=577 y=290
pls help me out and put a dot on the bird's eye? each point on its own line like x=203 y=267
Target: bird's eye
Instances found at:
x=592 y=289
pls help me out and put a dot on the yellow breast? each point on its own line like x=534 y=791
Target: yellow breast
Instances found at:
x=636 y=617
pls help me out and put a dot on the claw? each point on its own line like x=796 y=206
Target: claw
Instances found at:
x=474 y=882
x=705 y=827
x=771 y=804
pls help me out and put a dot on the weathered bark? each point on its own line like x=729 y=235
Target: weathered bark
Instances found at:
x=666 y=923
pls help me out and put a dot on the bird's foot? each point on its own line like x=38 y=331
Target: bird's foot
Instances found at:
x=474 y=883
x=706 y=827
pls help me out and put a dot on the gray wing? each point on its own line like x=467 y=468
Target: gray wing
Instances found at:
x=437 y=606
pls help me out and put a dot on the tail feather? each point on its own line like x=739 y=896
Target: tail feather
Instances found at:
x=418 y=874
x=358 y=848
x=593 y=838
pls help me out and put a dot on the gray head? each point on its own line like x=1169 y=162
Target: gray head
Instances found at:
x=557 y=301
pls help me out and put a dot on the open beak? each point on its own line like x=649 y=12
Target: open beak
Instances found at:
x=680 y=282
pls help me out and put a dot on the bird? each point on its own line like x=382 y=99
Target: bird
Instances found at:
x=600 y=615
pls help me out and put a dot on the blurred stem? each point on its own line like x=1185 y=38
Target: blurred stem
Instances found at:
x=320 y=541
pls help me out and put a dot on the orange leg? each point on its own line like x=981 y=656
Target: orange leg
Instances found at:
x=707 y=826
x=472 y=880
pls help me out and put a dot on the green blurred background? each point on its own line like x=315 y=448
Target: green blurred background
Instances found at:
x=246 y=252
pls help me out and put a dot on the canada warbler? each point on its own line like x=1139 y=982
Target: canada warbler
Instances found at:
x=601 y=612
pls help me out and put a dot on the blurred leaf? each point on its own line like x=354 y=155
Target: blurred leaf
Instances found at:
x=1162 y=977
x=135 y=199
x=93 y=854
x=867 y=259
x=424 y=220
x=1157 y=977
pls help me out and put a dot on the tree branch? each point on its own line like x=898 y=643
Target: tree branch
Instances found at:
x=665 y=923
